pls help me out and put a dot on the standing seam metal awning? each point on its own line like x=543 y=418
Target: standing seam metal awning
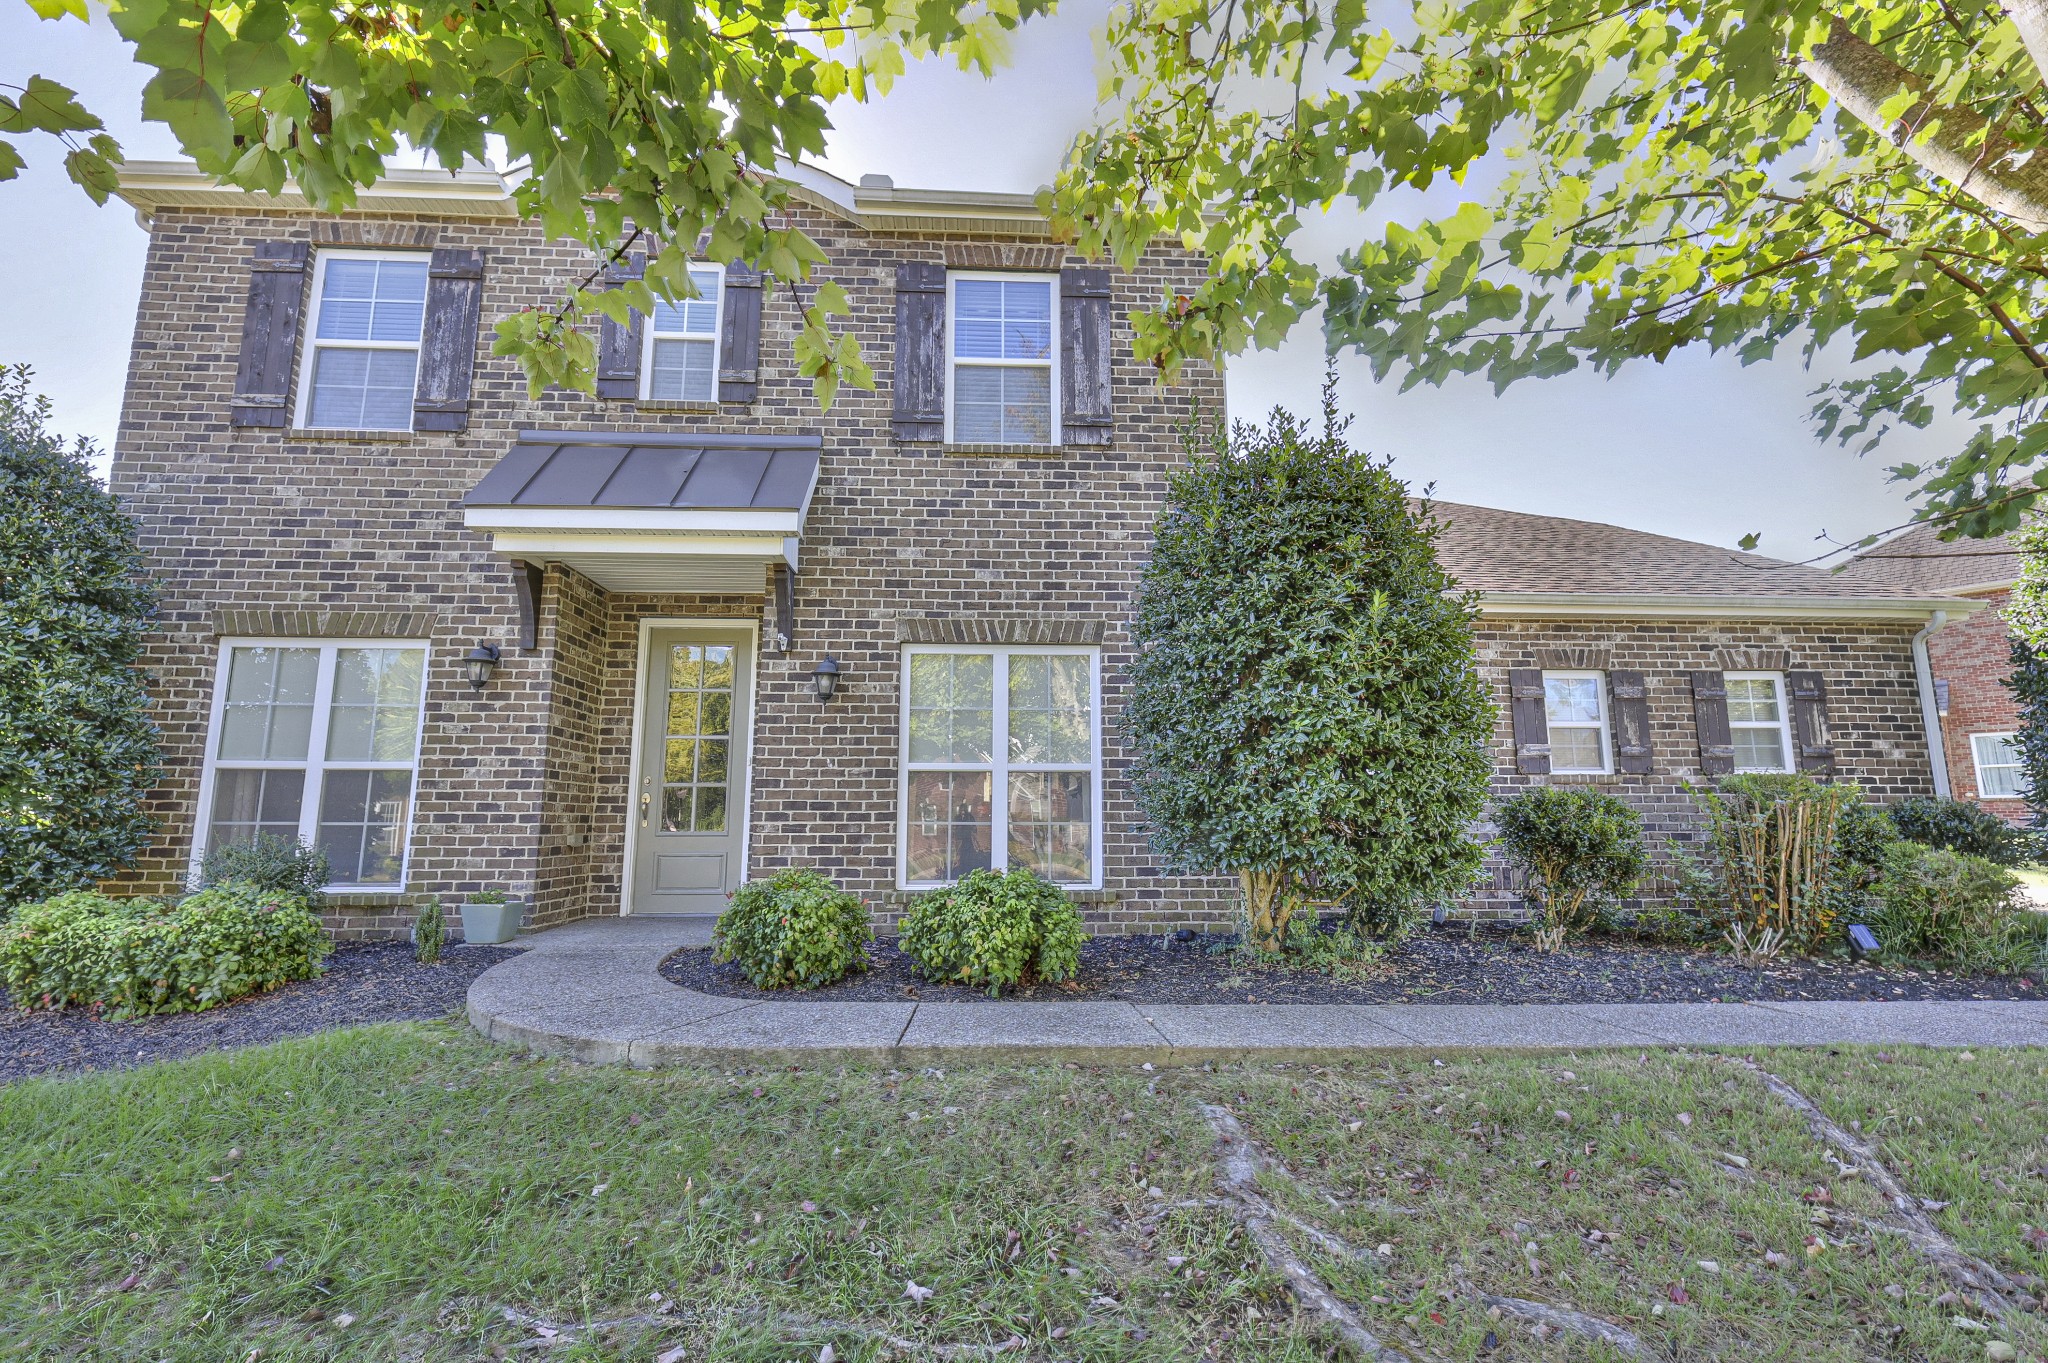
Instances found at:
x=635 y=511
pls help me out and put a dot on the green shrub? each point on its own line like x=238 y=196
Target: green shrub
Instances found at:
x=795 y=930
x=1934 y=904
x=1862 y=831
x=1963 y=827
x=1656 y=926
x=994 y=930
x=429 y=933
x=1574 y=850
x=1775 y=874
x=137 y=956
x=276 y=865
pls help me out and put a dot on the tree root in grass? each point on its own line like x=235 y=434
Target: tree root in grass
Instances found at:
x=790 y=1327
x=1239 y=1159
x=1993 y=1292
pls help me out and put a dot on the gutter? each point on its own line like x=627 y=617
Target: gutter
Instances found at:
x=1693 y=606
x=1930 y=710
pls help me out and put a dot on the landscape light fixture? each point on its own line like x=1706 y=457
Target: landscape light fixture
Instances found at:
x=482 y=661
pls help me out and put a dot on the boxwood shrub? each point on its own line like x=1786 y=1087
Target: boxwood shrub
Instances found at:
x=994 y=930
x=795 y=930
x=1575 y=851
x=1963 y=827
x=131 y=957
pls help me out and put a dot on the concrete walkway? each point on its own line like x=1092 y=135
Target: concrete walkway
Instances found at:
x=591 y=990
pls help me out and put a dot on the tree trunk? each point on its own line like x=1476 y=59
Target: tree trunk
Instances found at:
x=1269 y=903
x=2030 y=17
x=1963 y=148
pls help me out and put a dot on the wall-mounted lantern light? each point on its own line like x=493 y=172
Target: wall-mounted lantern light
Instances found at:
x=482 y=661
x=825 y=678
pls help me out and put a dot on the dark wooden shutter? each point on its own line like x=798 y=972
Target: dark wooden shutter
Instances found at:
x=1710 y=717
x=1086 y=353
x=270 y=335
x=1631 y=721
x=455 y=291
x=1810 y=735
x=1532 y=726
x=618 y=347
x=920 y=384
x=739 y=344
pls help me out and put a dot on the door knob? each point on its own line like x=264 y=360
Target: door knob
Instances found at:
x=645 y=800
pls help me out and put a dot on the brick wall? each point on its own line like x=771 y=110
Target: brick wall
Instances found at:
x=1973 y=656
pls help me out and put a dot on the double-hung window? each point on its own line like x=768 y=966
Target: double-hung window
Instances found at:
x=363 y=343
x=681 y=363
x=1001 y=763
x=317 y=742
x=1759 y=723
x=1002 y=385
x=1997 y=759
x=1575 y=711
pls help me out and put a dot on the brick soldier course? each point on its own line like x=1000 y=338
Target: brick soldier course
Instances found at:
x=258 y=529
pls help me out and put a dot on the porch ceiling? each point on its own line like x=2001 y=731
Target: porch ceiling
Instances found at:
x=650 y=512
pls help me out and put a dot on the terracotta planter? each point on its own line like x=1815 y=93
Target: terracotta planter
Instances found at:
x=489 y=923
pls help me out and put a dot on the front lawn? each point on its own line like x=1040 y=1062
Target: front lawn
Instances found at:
x=409 y=1192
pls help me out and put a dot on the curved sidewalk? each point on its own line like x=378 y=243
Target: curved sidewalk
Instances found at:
x=591 y=991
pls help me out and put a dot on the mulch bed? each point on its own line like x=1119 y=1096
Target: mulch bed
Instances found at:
x=1448 y=964
x=365 y=982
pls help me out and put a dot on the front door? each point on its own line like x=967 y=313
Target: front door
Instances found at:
x=689 y=814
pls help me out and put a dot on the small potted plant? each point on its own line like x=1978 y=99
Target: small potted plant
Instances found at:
x=487 y=916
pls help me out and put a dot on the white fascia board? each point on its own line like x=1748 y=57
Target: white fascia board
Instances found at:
x=634 y=520
x=470 y=192
x=1644 y=606
x=543 y=544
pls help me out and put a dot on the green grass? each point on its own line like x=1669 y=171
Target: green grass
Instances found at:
x=418 y=1180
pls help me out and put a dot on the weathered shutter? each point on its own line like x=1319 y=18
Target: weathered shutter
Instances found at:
x=618 y=347
x=1816 y=755
x=270 y=335
x=1532 y=727
x=920 y=385
x=1086 y=353
x=1710 y=718
x=739 y=345
x=1631 y=698
x=455 y=289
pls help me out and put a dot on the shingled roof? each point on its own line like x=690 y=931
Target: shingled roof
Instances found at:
x=1917 y=561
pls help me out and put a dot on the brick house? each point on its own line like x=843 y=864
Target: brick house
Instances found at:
x=574 y=647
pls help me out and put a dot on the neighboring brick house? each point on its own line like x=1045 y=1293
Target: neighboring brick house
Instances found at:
x=573 y=647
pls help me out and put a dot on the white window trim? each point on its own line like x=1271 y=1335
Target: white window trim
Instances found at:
x=1783 y=726
x=717 y=338
x=315 y=764
x=1599 y=680
x=1051 y=364
x=1979 y=765
x=1000 y=766
x=309 y=350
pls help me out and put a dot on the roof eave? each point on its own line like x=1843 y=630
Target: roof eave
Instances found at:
x=148 y=186
x=1682 y=606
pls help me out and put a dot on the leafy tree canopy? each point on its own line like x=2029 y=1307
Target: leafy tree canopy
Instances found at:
x=626 y=118
x=1739 y=174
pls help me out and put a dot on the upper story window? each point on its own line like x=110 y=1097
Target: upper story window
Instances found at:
x=681 y=364
x=1575 y=710
x=363 y=341
x=1759 y=724
x=1997 y=759
x=1002 y=385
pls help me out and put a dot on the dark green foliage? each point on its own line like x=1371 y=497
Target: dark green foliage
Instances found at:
x=1304 y=713
x=995 y=930
x=1862 y=831
x=429 y=933
x=77 y=749
x=1963 y=827
x=271 y=863
x=137 y=956
x=2028 y=682
x=1575 y=851
x=795 y=930
x=1660 y=927
x=1949 y=907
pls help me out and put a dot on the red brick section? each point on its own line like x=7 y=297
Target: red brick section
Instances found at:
x=1974 y=657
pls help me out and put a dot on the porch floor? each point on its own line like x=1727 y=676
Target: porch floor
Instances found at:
x=590 y=990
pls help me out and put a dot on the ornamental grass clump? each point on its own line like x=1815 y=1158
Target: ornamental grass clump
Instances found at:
x=795 y=930
x=1951 y=908
x=994 y=930
x=132 y=957
x=1575 y=851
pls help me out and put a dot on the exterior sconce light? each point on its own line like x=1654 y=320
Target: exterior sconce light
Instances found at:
x=825 y=679
x=482 y=661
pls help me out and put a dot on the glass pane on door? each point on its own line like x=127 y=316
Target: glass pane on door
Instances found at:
x=696 y=765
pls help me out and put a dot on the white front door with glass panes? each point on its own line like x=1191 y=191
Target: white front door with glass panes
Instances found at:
x=1001 y=764
x=317 y=742
x=689 y=813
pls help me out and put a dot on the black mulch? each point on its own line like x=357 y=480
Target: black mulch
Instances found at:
x=1450 y=964
x=365 y=982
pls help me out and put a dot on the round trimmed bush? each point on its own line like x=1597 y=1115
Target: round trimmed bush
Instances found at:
x=995 y=930
x=1575 y=850
x=795 y=930
x=1963 y=827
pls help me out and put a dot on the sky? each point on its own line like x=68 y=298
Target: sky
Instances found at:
x=1699 y=446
